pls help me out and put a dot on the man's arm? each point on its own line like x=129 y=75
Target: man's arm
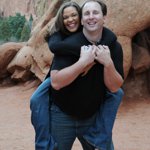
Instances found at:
x=63 y=77
x=112 y=78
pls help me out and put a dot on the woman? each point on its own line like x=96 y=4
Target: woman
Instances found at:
x=39 y=102
x=67 y=22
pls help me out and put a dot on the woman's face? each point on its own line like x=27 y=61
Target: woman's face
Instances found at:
x=71 y=19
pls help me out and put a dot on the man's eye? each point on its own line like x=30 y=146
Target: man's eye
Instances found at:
x=95 y=12
x=86 y=13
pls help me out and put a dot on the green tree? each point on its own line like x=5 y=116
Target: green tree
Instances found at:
x=25 y=34
x=18 y=33
x=14 y=28
x=15 y=23
x=30 y=21
x=5 y=32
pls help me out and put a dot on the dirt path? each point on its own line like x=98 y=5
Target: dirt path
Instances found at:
x=131 y=131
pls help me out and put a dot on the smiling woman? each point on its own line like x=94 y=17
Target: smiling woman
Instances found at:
x=67 y=22
x=68 y=18
x=71 y=19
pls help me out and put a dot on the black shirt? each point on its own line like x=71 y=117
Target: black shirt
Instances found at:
x=82 y=98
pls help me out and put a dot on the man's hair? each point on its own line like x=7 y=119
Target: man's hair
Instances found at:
x=102 y=4
x=59 y=23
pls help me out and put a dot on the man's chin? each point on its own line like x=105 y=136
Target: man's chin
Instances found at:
x=91 y=29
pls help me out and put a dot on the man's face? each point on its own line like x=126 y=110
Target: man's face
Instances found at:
x=92 y=17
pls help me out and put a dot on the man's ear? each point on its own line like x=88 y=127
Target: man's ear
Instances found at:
x=104 y=19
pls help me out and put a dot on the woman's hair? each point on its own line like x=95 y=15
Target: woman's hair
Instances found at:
x=59 y=23
x=102 y=4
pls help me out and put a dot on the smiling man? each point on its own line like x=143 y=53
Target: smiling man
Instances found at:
x=77 y=98
x=93 y=18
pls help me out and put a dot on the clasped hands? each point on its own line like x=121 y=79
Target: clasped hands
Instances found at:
x=89 y=54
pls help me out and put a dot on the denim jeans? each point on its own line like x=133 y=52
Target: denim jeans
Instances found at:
x=98 y=135
x=39 y=105
x=65 y=129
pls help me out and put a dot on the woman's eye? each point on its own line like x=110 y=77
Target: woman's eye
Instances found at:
x=74 y=15
x=65 y=17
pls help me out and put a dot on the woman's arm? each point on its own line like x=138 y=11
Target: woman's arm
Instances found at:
x=63 y=45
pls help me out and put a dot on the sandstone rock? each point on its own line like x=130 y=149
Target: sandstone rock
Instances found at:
x=42 y=58
x=127 y=53
x=126 y=19
x=21 y=63
x=7 y=53
x=20 y=74
x=141 y=59
x=24 y=7
x=136 y=86
x=143 y=39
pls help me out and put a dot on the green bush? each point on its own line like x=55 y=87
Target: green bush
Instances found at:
x=16 y=22
x=15 y=28
x=25 y=34
x=5 y=31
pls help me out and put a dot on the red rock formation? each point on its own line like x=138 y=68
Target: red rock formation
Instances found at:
x=7 y=53
x=127 y=19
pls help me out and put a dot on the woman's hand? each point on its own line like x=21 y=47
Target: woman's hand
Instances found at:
x=86 y=69
x=87 y=55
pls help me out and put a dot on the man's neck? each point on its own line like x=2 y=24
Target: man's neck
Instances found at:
x=93 y=37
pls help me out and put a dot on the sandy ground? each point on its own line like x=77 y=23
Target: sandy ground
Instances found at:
x=131 y=130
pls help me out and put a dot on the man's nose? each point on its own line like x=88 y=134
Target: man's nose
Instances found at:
x=91 y=15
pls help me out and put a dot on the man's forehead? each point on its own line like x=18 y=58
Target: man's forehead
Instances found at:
x=91 y=5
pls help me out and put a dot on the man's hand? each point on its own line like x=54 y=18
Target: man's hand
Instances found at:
x=102 y=55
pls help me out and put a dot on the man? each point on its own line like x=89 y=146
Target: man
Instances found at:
x=76 y=97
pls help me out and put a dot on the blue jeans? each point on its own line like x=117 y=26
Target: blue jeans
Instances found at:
x=65 y=129
x=39 y=105
x=41 y=118
x=100 y=134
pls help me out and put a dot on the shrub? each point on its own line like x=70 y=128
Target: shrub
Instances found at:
x=25 y=34
x=16 y=22
x=15 y=28
x=5 y=31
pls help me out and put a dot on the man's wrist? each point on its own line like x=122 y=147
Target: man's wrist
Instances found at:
x=108 y=63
